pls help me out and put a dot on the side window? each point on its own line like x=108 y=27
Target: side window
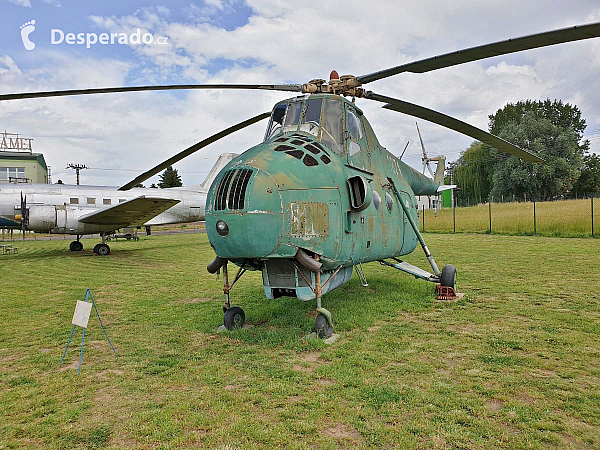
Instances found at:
x=74 y=201
x=354 y=131
x=332 y=126
x=91 y=201
x=106 y=201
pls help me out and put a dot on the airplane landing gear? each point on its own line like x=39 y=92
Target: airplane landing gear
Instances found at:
x=102 y=249
x=76 y=246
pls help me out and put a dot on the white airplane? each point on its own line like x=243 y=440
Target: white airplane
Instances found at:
x=80 y=210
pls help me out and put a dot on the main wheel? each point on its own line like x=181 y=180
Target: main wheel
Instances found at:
x=322 y=327
x=102 y=249
x=234 y=318
x=75 y=246
x=449 y=276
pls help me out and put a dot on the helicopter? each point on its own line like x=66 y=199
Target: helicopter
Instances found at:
x=320 y=196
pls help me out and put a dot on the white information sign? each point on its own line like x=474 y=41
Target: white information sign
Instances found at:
x=82 y=314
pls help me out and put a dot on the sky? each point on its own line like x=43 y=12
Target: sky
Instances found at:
x=270 y=41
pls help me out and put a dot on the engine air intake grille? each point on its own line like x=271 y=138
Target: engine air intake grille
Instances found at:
x=231 y=192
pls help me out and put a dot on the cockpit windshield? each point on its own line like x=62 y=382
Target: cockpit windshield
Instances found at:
x=321 y=117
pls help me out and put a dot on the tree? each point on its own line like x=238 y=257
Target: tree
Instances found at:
x=139 y=185
x=153 y=186
x=473 y=173
x=588 y=182
x=59 y=181
x=169 y=178
x=551 y=130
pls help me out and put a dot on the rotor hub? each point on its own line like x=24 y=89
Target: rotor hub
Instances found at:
x=346 y=85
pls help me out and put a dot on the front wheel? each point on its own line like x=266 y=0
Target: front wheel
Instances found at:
x=322 y=327
x=76 y=246
x=234 y=318
x=449 y=276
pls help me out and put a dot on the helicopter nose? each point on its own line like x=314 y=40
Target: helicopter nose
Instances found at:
x=244 y=214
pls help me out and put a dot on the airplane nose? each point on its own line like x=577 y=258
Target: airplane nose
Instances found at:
x=244 y=215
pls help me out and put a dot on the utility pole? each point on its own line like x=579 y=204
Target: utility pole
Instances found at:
x=77 y=168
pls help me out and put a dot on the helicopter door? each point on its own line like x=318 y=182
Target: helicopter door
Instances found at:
x=354 y=139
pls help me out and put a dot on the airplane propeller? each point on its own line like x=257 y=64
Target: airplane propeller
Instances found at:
x=349 y=85
x=24 y=214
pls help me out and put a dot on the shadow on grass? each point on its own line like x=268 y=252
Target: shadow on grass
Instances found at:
x=284 y=322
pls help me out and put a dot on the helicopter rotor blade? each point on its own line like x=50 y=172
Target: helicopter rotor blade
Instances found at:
x=194 y=148
x=454 y=124
x=559 y=36
x=169 y=87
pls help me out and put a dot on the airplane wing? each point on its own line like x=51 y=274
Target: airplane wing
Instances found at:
x=445 y=187
x=134 y=212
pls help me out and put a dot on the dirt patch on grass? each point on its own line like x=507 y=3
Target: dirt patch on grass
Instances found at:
x=341 y=431
x=72 y=365
x=105 y=374
x=325 y=382
x=195 y=300
x=495 y=405
x=308 y=363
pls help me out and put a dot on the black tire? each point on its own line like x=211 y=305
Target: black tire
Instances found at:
x=449 y=276
x=234 y=318
x=102 y=249
x=76 y=246
x=322 y=327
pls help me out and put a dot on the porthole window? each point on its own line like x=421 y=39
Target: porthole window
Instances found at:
x=388 y=201
x=376 y=200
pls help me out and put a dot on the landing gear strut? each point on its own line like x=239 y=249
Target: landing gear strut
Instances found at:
x=324 y=321
x=76 y=246
x=102 y=249
x=234 y=315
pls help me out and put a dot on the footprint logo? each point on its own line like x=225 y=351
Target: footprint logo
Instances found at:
x=26 y=30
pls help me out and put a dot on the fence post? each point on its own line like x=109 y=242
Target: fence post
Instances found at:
x=454 y=213
x=423 y=218
x=534 y=219
x=490 y=212
x=592 y=200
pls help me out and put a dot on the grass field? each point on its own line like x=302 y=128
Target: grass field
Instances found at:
x=514 y=364
x=565 y=218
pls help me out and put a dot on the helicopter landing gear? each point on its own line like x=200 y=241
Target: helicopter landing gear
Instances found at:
x=102 y=249
x=324 y=321
x=234 y=316
x=76 y=246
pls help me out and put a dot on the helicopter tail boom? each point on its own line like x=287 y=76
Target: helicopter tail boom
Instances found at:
x=419 y=183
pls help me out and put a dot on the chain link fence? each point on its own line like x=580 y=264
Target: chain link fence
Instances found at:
x=560 y=218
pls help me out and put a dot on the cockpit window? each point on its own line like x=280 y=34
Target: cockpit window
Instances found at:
x=321 y=117
x=332 y=126
x=276 y=123
x=312 y=116
x=292 y=117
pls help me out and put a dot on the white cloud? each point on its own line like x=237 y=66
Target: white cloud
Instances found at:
x=25 y=3
x=285 y=42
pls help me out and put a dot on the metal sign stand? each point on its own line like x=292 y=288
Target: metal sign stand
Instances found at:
x=84 y=314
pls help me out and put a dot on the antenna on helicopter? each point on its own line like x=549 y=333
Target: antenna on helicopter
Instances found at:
x=403 y=151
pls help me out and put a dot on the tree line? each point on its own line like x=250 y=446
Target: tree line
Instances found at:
x=552 y=130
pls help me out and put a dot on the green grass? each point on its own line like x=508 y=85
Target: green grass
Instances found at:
x=514 y=364
x=564 y=218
